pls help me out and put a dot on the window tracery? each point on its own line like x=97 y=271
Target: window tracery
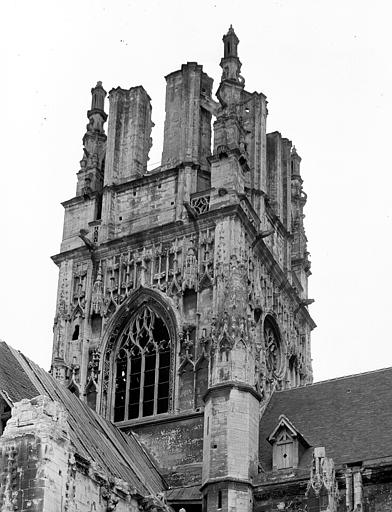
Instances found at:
x=142 y=367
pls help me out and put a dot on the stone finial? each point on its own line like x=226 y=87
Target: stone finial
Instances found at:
x=98 y=95
x=230 y=62
x=94 y=140
x=96 y=115
x=230 y=41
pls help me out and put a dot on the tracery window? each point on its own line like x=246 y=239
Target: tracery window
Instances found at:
x=142 y=367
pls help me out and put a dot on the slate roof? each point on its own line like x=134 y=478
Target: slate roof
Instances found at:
x=94 y=438
x=14 y=383
x=350 y=416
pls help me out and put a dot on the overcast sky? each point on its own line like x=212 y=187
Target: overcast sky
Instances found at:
x=325 y=67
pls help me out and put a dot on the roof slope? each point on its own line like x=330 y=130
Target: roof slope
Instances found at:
x=14 y=383
x=94 y=438
x=351 y=416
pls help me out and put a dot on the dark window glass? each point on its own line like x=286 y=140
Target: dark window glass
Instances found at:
x=142 y=368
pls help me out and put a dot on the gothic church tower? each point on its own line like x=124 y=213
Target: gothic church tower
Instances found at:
x=182 y=297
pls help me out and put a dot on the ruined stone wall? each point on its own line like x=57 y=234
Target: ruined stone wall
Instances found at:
x=39 y=471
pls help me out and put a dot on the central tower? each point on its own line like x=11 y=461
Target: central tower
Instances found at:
x=182 y=298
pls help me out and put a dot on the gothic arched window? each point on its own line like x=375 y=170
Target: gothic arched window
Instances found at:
x=142 y=367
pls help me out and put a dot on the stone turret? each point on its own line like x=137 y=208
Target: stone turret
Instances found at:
x=300 y=256
x=230 y=62
x=230 y=448
x=187 y=134
x=129 y=134
x=90 y=176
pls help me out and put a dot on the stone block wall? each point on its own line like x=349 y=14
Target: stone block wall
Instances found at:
x=230 y=434
x=129 y=135
x=79 y=212
x=39 y=470
x=187 y=132
x=144 y=207
x=177 y=446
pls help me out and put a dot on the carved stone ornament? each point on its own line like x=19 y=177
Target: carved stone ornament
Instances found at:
x=190 y=270
x=110 y=499
x=186 y=344
x=97 y=299
x=322 y=483
x=273 y=348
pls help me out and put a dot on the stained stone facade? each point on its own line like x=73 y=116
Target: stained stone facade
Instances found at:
x=182 y=298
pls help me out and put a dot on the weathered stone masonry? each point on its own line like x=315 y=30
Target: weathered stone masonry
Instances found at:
x=209 y=250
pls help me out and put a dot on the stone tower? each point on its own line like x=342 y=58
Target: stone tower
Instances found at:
x=182 y=297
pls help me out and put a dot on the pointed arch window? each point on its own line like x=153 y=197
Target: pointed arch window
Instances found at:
x=142 y=367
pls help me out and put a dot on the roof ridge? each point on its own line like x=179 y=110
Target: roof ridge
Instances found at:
x=343 y=377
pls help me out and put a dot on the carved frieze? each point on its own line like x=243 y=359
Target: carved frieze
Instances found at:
x=186 y=263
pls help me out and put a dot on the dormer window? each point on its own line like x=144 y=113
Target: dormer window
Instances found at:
x=287 y=445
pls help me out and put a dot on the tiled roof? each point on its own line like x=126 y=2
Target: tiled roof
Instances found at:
x=14 y=383
x=350 y=416
x=94 y=438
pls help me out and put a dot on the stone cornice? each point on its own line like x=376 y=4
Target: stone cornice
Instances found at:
x=224 y=386
x=146 y=179
x=79 y=199
x=227 y=479
x=161 y=419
